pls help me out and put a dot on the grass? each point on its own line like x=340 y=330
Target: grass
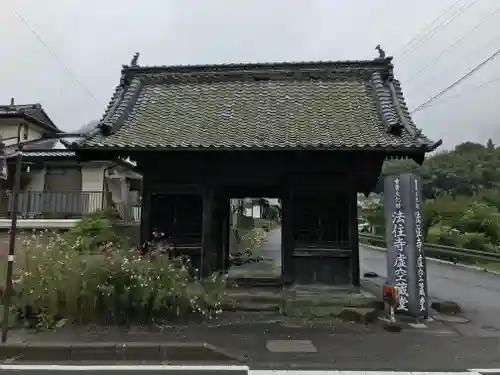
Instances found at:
x=492 y=266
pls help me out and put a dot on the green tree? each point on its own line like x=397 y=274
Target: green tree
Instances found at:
x=469 y=147
x=469 y=169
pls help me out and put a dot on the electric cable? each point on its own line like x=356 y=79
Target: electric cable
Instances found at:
x=474 y=88
x=440 y=27
x=437 y=72
x=457 y=82
x=54 y=55
x=402 y=50
x=451 y=47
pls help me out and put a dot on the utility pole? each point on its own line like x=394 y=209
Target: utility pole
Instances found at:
x=13 y=228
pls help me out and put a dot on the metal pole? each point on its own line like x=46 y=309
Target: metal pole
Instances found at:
x=12 y=240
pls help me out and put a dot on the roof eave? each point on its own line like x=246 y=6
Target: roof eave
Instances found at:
x=86 y=148
x=377 y=62
x=52 y=124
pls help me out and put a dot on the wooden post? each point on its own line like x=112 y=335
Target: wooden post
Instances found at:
x=145 y=228
x=218 y=234
x=287 y=241
x=207 y=238
x=226 y=212
x=354 y=238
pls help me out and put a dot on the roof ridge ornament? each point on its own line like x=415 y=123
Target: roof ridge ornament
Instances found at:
x=381 y=52
x=134 y=61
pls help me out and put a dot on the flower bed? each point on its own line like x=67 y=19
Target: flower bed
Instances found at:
x=54 y=279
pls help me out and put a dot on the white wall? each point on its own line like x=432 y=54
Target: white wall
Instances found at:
x=93 y=181
x=9 y=129
x=37 y=182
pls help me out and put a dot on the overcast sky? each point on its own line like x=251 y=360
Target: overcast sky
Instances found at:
x=92 y=39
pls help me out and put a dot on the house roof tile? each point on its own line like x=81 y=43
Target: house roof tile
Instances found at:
x=31 y=112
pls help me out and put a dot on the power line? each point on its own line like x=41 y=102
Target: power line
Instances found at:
x=437 y=73
x=54 y=55
x=474 y=88
x=446 y=50
x=457 y=82
x=439 y=28
x=428 y=26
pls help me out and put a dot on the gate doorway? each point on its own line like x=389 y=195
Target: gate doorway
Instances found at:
x=255 y=250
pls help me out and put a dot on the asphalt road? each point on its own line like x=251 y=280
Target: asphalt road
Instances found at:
x=477 y=292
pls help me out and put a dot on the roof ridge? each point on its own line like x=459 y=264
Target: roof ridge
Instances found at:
x=122 y=106
x=385 y=105
x=383 y=63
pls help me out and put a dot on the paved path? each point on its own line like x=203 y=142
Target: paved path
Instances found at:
x=477 y=292
x=270 y=250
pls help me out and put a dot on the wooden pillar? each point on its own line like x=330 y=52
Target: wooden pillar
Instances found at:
x=208 y=252
x=145 y=229
x=225 y=212
x=287 y=241
x=220 y=220
x=354 y=238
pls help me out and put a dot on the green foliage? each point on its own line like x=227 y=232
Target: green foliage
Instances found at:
x=93 y=232
x=469 y=169
x=462 y=191
x=467 y=222
x=54 y=281
x=375 y=216
x=480 y=218
x=251 y=239
x=271 y=212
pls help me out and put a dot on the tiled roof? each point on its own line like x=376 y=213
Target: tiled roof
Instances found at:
x=49 y=147
x=324 y=105
x=59 y=153
x=31 y=112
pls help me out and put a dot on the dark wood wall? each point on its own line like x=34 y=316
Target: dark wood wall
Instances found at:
x=318 y=190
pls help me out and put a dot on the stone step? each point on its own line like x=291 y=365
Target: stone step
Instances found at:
x=257 y=299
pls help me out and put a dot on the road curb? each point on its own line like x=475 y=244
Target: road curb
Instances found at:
x=442 y=261
x=133 y=351
x=121 y=369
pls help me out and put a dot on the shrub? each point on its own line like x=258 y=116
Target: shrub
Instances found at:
x=375 y=216
x=252 y=239
x=94 y=231
x=480 y=218
x=53 y=280
x=474 y=241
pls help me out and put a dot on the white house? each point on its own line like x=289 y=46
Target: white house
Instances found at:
x=54 y=184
